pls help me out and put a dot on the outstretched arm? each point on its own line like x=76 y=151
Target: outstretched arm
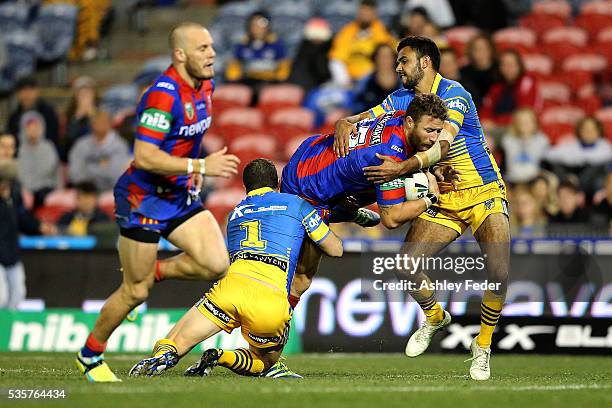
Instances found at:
x=344 y=128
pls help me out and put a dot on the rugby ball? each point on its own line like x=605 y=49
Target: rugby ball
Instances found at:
x=416 y=186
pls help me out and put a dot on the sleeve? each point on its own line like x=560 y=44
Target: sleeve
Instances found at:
x=458 y=102
x=314 y=225
x=155 y=117
x=391 y=192
x=385 y=106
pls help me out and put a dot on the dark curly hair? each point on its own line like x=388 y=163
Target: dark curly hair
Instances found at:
x=427 y=104
x=422 y=46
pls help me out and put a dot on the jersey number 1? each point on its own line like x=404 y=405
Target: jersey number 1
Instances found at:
x=253 y=235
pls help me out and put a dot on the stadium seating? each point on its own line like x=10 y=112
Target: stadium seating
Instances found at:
x=259 y=143
x=293 y=143
x=561 y=51
x=286 y=123
x=541 y=23
x=458 y=37
x=605 y=116
x=519 y=38
x=213 y=142
x=120 y=97
x=588 y=62
x=554 y=93
x=338 y=13
x=274 y=97
x=568 y=35
x=13 y=17
x=288 y=19
x=61 y=198
x=539 y=65
x=231 y=95
x=558 y=8
x=221 y=202
x=235 y=122
x=55 y=27
x=106 y=202
x=21 y=46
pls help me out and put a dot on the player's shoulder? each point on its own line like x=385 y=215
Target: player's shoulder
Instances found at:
x=449 y=88
x=165 y=84
x=401 y=93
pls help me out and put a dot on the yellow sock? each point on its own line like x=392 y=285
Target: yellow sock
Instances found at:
x=163 y=346
x=427 y=300
x=241 y=361
x=490 y=310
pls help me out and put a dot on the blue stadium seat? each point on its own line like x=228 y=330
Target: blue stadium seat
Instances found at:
x=21 y=49
x=339 y=13
x=120 y=97
x=151 y=69
x=288 y=19
x=229 y=25
x=55 y=27
x=13 y=16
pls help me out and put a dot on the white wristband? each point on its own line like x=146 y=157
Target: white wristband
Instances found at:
x=428 y=202
x=419 y=160
x=189 y=166
x=202 y=166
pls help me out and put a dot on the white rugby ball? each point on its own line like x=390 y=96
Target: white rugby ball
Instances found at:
x=416 y=186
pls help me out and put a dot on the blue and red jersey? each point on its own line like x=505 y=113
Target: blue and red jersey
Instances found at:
x=316 y=174
x=173 y=116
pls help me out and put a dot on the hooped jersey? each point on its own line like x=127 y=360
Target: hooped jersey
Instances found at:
x=317 y=174
x=173 y=116
x=468 y=153
x=265 y=233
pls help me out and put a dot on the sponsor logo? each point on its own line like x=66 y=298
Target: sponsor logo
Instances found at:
x=165 y=85
x=263 y=340
x=489 y=204
x=156 y=120
x=212 y=308
x=397 y=149
x=504 y=204
x=196 y=128
x=457 y=105
x=201 y=106
x=189 y=111
x=393 y=184
x=314 y=221
x=376 y=136
x=432 y=211
x=267 y=259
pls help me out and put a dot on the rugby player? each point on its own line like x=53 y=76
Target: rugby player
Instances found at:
x=158 y=195
x=265 y=232
x=478 y=200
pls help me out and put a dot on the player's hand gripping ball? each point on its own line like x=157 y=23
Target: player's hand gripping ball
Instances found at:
x=416 y=186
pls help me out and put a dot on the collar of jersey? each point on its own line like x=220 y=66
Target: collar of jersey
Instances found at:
x=259 y=191
x=173 y=73
x=436 y=84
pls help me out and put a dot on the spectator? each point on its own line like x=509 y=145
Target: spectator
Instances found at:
x=528 y=219
x=524 y=147
x=93 y=15
x=81 y=108
x=14 y=218
x=28 y=98
x=37 y=158
x=8 y=146
x=544 y=189
x=571 y=202
x=352 y=48
x=440 y=11
x=602 y=210
x=449 y=66
x=586 y=156
x=516 y=89
x=101 y=156
x=311 y=65
x=261 y=57
x=418 y=22
x=479 y=74
x=375 y=87
x=86 y=214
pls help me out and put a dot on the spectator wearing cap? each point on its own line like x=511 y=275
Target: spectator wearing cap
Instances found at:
x=261 y=57
x=86 y=214
x=586 y=156
x=38 y=160
x=100 y=157
x=310 y=67
x=28 y=99
x=81 y=108
x=352 y=48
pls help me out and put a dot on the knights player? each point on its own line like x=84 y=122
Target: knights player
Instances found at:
x=158 y=195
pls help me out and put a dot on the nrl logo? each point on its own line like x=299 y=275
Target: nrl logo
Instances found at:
x=189 y=110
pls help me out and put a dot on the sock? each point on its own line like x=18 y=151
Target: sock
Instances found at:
x=293 y=300
x=241 y=361
x=427 y=300
x=158 y=275
x=490 y=310
x=92 y=347
x=163 y=346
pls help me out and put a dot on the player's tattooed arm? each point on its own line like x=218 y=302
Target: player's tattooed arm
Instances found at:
x=344 y=128
x=394 y=216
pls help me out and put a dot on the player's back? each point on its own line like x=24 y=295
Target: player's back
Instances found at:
x=317 y=174
x=265 y=233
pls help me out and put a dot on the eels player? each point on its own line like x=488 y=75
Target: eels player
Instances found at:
x=477 y=201
x=265 y=232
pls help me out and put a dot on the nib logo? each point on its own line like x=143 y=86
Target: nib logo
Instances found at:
x=156 y=120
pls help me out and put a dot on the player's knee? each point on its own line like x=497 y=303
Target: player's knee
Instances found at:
x=218 y=267
x=136 y=293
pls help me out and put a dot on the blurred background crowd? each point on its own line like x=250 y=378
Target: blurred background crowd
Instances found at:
x=71 y=73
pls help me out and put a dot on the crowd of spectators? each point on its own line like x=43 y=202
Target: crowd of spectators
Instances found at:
x=559 y=182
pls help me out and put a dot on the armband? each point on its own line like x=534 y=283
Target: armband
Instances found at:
x=430 y=156
x=202 y=166
x=189 y=166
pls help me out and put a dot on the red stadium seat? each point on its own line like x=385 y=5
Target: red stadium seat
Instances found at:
x=264 y=145
x=275 y=97
x=213 y=142
x=235 y=122
x=576 y=79
x=51 y=213
x=228 y=96
x=588 y=62
x=106 y=202
x=593 y=23
x=559 y=8
x=590 y=104
x=293 y=143
x=605 y=35
x=561 y=51
x=540 y=23
x=459 y=36
x=520 y=38
x=558 y=131
x=567 y=35
x=298 y=117
x=604 y=49
x=222 y=202
x=554 y=92
x=539 y=64
x=566 y=114
x=61 y=198
x=605 y=116
x=601 y=7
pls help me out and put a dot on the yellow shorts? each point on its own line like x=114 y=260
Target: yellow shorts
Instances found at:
x=262 y=311
x=468 y=207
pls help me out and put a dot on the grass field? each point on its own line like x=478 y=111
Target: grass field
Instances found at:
x=332 y=380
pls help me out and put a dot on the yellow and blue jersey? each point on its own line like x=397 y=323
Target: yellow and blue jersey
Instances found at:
x=468 y=152
x=265 y=233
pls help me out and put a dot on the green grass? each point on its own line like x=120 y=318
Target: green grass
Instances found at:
x=332 y=380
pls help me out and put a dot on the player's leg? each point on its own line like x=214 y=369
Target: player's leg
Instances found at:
x=493 y=237
x=350 y=209
x=307 y=267
x=424 y=239
x=137 y=261
x=205 y=255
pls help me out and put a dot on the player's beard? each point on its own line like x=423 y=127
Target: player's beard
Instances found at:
x=413 y=80
x=195 y=71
